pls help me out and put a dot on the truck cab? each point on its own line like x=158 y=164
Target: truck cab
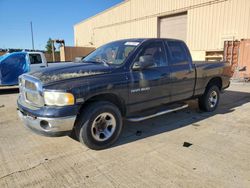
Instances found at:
x=37 y=60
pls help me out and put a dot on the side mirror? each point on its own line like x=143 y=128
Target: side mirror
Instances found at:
x=77 y=59
x=144 y=62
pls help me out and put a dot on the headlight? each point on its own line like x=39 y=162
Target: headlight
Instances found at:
x=58 y=98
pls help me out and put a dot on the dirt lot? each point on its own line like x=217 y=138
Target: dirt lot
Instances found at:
x=149 y=154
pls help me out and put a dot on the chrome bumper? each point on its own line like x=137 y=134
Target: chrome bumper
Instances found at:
x=48 y=126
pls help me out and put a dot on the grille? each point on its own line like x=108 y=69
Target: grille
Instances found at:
x=31 y=90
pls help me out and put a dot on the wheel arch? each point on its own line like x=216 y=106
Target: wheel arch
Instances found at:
x=109 y=97
x=215 y=81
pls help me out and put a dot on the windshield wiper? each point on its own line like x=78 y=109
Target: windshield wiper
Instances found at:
x=102 y=61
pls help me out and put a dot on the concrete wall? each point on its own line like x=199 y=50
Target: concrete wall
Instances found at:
x=210 y=22
x=68 y=53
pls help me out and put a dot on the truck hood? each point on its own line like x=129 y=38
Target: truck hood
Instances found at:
x=76 y=70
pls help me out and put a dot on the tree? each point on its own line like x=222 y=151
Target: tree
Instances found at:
x=49 y=46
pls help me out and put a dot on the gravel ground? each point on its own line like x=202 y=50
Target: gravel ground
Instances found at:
x=149 y=154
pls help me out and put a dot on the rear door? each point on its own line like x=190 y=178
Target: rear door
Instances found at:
x=182 y=70
x=150 y=87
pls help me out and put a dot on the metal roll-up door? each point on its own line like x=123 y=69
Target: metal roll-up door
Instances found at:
x=173 y=27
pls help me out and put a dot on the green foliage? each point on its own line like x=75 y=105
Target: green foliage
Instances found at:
x=49 y=46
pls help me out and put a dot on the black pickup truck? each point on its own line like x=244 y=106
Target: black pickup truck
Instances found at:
x=134 y=79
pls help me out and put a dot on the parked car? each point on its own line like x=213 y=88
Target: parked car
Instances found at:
x=133 y=79
x=12 y=65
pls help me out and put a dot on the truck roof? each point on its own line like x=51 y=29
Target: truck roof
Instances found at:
x=146 y=39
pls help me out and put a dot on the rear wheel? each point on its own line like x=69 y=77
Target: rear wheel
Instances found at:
x=99 y=125
x=209 y=101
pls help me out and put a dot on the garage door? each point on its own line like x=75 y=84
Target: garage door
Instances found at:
x=174 y=27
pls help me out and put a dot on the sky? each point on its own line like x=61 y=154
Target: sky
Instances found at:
x=50 y=18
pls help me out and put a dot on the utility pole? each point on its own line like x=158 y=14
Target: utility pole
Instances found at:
x=53 y=50
x=31 y=28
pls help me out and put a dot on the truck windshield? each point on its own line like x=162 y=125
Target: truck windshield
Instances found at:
x=114 y=53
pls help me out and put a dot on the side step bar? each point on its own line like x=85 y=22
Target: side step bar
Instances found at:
x=137 y=119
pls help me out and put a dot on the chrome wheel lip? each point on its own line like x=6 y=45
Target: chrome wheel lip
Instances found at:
x=103 y=126
x=213 y=99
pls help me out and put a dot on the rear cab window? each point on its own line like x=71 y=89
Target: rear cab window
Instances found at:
x=35 y=59
x=177 y=52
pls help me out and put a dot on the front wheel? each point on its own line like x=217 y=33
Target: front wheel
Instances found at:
x=99 y=125
x=209 y=101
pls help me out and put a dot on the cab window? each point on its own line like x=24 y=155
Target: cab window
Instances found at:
x=177 y=52
x=35 y=59
x=157 y=51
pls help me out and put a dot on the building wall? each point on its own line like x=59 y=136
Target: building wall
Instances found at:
x=210 y=26
x=210 y=22
x=49 y=56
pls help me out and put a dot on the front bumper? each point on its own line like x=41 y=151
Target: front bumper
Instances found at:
x=48 y=126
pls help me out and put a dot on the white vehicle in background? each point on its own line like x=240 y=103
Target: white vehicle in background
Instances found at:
x=12 y=65
x=37 y=60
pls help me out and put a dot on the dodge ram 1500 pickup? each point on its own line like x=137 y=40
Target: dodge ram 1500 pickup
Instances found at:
x=134 y=79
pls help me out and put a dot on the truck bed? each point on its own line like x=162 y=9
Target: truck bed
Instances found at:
x=206 y=70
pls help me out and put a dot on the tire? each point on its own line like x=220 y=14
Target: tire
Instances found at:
x=209 y=101
x=99 y=125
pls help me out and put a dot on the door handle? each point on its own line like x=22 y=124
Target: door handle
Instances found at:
x=42 y=66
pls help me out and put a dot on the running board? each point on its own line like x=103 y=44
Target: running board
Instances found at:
x=137 y=119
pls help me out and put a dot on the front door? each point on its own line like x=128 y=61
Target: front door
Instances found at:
x=150 y=87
